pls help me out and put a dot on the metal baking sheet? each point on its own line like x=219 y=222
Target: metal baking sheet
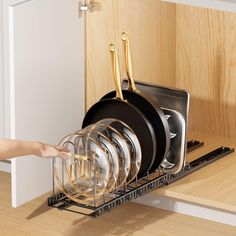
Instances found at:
x=178 y=142
x=171 y=98
x=175 y=101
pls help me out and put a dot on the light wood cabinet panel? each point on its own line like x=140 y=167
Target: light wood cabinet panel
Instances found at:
x=151 y=26
x=206 y=66
x=173 y=45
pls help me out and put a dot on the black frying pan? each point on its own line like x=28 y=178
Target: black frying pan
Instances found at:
x=148 y=107
x=117 y=108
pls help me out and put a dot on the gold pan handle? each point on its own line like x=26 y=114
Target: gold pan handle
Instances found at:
x=128 y=62
x=116 y=71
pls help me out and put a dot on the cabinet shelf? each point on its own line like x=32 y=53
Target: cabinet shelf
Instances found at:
x=213 y=186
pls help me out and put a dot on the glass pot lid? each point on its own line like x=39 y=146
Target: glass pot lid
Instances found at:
x=87 y=172
x=133 y=144
x=93 y=132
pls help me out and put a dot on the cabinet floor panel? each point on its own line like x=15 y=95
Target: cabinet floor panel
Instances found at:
x=35 y=218
x=212 y=186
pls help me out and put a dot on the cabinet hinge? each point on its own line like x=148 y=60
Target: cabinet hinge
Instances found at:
x=86 y=7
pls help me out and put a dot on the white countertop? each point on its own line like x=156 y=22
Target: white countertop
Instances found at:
x=223 y=5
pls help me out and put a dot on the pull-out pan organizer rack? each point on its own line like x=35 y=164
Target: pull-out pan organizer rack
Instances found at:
x=175 y=104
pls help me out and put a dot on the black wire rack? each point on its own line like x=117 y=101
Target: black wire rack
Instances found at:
x=137 y=188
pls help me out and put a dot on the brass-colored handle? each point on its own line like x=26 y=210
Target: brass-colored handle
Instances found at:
x=128 y=62
x=71 y=170
x=76 y=156
x=116 y=71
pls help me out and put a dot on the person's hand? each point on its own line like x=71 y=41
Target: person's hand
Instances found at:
x=48 y=151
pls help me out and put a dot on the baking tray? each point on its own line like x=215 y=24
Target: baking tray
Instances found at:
x=174 y=102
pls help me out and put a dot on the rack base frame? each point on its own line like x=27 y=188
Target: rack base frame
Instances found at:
x=146 y=185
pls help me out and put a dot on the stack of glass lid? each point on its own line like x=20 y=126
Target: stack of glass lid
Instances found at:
x=105 y=157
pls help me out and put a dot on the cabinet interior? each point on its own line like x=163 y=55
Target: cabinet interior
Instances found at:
x=172 y=45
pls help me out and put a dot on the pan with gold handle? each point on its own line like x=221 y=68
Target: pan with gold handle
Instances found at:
x=150 y=108
x=117 y=107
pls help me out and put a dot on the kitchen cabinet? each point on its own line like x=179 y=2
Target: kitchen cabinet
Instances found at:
x=186 y=47
x=173 y=45
x=42 y=81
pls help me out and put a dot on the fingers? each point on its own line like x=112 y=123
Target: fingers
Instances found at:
x=49 y=151
x=64 y=155
x=62 y=148
x=63 y=152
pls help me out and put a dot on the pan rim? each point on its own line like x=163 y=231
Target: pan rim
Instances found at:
x=151 y=131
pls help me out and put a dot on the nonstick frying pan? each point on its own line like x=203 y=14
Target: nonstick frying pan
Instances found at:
x=148 y=107
x=117 y=108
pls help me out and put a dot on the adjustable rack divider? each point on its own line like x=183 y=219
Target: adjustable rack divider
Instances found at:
x=194 y=144
x=138 y=187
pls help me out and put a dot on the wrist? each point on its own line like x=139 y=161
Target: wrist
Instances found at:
x=38 y=148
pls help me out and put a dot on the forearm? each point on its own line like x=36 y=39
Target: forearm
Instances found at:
x=15 y=148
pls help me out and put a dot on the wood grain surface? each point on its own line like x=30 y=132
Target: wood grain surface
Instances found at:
x=213 y=185
x=172 y=45
x=206 y=66
x=36 y=219
x=5 y=190
x=151 y=28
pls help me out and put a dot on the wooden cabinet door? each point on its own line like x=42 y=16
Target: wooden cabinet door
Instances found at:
x=43 y=83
